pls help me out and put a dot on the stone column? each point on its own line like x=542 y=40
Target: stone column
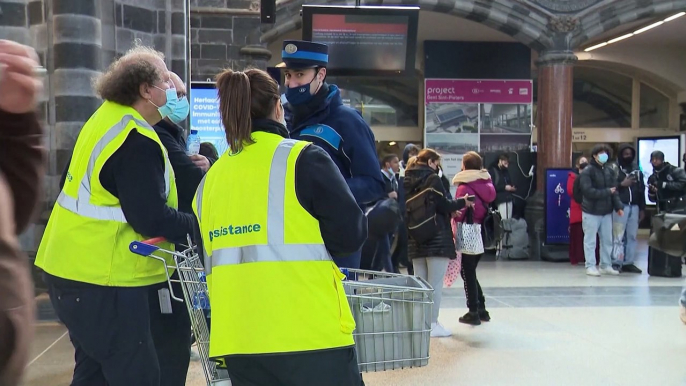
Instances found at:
x=555 y=81
x=554 y=125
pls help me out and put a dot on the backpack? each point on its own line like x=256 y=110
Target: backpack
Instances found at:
x=420 y=212
x=576 y=191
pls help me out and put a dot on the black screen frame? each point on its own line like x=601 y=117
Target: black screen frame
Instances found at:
x=411 y=12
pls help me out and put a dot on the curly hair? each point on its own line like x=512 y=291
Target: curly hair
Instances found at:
x=122 y=80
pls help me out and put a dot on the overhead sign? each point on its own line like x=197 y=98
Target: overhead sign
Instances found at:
x=479 y=91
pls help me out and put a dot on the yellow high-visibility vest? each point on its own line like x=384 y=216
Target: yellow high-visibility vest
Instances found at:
x=273 y=287
x=87 y=237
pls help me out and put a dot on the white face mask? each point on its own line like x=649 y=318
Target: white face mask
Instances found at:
x=440 y=173
x=283 y=117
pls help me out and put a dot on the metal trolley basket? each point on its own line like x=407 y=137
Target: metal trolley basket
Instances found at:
x=392 y=312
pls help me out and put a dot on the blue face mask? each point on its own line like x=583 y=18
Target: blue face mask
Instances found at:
x=180 y=112
x=172 y=100
x=300 y=95
x=602 y=158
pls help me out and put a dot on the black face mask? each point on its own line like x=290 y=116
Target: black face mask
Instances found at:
x=628 y=160
x=583 y=165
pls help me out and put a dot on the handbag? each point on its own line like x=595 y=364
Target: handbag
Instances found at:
x=468 y=237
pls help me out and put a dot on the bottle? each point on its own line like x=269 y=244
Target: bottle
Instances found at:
x=193 y=143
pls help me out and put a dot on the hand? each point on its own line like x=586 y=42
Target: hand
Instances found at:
x=510 y=188
x=628 y=182
x=620 y=213
x=652 y=188
x=201 y=161
x=468 y=202
x=19 y=88
x=613 y=190
x=393 y=195
x=641 y=216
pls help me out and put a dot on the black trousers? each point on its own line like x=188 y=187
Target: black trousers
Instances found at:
x=337 y=367
x=120 y=336
x=475 y=296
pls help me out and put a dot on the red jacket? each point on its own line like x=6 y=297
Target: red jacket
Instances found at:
x=575 y=209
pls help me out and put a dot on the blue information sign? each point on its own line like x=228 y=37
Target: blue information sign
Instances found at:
x=557 y=201
x=205 y=117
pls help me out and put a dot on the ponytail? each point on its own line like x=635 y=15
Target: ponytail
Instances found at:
x=233 y=88
x=244 y=96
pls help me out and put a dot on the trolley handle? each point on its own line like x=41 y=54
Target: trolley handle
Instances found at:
x=146 y=247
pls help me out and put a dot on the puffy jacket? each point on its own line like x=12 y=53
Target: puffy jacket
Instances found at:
x=596 y=181
x=634 y=194
x=418 y=178
x=575 y=207
x=484 y=192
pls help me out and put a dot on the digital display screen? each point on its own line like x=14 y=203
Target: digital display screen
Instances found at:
x=205 y=118
x=364 y=42
x=669 y=146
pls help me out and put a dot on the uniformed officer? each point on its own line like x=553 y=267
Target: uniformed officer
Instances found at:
x=279 y=312
x=319 y=116
x=119 y=187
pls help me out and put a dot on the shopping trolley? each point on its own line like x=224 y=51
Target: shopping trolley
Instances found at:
x=392 y=312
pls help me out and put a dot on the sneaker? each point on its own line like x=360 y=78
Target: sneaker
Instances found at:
x=438 y=331
x=484 y=316
x=608 y=271
x=471 y=318
x=592 y=271
x=682 y=313
x=631 y=269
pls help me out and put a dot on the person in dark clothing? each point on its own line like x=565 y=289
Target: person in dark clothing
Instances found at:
x=430 y=258
x=599 y=187
x=319 y=116
x=476 y=181
x=320 y=202
x=119 y=333
x=411 y=150
x=576 y=231
x=500 y=175
x=631 y=190
x=188 y=170
x=666 y=182
x=380 y=248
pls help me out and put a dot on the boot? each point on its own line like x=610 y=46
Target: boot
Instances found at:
x=484 y=316
x=471 y=318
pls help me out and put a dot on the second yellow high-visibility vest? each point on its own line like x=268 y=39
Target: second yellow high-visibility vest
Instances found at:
x=87 y=237
x=273 y=287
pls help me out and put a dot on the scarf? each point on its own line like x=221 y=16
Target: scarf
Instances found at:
x=467 y=176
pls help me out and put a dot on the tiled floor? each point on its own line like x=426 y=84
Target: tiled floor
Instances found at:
x=552 y=325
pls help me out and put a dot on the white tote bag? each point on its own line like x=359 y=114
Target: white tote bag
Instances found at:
x=468 y=239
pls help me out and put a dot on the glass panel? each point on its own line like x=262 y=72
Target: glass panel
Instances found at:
x=654 y=108
x=373 y=111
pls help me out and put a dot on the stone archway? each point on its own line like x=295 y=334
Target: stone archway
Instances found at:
x=621 y=12
x=527 y=25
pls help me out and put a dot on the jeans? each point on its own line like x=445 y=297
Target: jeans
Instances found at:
x=382 y=255
x=602 y=226
x=625 y=228
x=432 y=269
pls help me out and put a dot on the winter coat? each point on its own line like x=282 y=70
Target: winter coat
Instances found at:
x=634 y=194
x=477 y=183
x=418 y=178
x=574 y=207
x=596 y=181
x=343 y=133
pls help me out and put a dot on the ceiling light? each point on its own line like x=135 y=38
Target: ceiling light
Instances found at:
x=680 y=14
x=596 y=46
x=620 y=38
x=392 y=143
x=644 y=29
